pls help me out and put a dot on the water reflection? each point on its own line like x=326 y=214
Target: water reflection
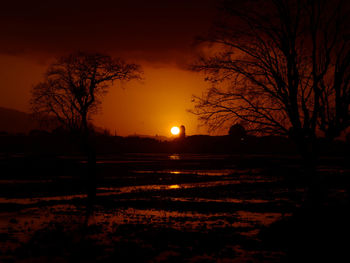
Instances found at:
x=111 y=191
x=201 y=172
x=174 y=157
x=245 y=222
x=143 y=191
x=178 y=196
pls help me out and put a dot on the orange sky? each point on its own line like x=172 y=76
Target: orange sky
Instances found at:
x=154 y=105
x=151 y=106
x=156 y=34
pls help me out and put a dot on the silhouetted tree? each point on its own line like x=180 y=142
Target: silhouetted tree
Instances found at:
x=72 y=91
x=281 y=66
x=74 y=85
x=237 y=131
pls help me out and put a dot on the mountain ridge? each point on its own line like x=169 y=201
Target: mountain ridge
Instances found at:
x=16 y=121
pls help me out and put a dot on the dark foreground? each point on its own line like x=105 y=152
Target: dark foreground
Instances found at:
x=174 y=208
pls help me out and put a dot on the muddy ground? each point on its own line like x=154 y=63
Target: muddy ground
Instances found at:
x=174 y=208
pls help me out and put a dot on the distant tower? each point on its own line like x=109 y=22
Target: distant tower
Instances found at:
x=182 y=132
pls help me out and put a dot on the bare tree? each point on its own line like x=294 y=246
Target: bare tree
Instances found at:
x=71 y=93
x=280 y=67
x=74 y=86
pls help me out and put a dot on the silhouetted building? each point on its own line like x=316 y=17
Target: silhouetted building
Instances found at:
x=182 y=131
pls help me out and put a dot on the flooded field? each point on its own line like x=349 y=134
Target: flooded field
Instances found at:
x=154 y=208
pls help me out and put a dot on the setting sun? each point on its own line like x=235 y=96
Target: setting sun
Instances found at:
x=175 y=130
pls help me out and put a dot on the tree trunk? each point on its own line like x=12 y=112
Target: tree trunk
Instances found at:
x=89 y=149
x=310 y=156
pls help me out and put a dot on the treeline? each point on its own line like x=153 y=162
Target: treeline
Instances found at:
x=62 y=144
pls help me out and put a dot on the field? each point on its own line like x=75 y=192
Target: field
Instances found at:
x=173 y=208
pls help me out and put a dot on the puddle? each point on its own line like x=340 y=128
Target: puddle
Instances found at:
x=106 y=191
x=174 y=157
x=264 y=219
x=221 y=172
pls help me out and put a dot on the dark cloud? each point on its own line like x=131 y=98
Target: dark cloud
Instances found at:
x=156 y=30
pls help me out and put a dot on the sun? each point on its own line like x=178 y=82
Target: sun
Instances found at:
x=175 y=130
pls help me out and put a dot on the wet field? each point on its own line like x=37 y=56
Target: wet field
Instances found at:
x=157 y=207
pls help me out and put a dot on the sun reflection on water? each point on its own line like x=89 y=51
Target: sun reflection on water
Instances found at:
x=174 y=157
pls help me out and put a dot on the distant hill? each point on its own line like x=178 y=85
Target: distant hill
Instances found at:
x=14 y=121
